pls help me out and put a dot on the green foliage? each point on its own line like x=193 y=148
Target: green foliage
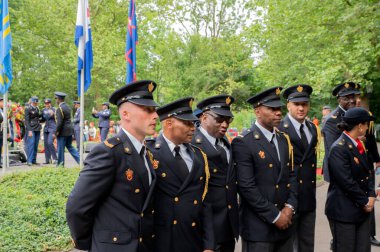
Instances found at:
x=32 y=210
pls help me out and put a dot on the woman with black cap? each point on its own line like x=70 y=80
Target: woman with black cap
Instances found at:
x=350 y=196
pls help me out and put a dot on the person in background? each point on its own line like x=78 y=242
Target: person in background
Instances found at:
x=326 y=110
x=48 y=116
x=104 y=120
x=350 y=196
x=33 y=128
x=92 y=132
x=85 y=131
x=76 y=122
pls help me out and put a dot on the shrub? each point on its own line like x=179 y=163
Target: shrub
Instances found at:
x=32 y=210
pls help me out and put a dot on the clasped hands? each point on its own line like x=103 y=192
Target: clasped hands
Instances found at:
x=285 y=219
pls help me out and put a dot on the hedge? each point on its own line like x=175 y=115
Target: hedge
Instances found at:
x=32 y=210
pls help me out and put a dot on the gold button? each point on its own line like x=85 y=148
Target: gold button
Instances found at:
x=114 y=239
x=153 y=236
x=140 y=239
x=275 y=205
x=215 y=170
x=175 y=222
x=152 y=211
x=229 y=206
x=201 y=178
x=366 y=178
x=300 y=165
x=137 y=190
x=301 y=181
x=226 y=186
x=163 y=174
x=277 y=186
x=288 y=185
x=312 y=165
x=193 y=224
x=176 y=199
x=236 y=182
x=195 y=202
x=142 y=214
x=287 y=164
x=270 y=165
x=313 y=181
x=362 y=180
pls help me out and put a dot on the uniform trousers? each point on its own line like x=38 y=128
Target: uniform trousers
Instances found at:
x=50 y=151
x=66 y=141
x=351 y=237
x=33 y=146
x=103 y=133
x=305 y=231
x=285 y=245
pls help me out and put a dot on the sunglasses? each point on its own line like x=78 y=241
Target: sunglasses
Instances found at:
x=221 y=119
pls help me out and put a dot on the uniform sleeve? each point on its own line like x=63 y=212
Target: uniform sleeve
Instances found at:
x=76 y=119
x=59 y=120
x=95 y=180
x=293 y=194
x=207 y=225
x=106 y=113
x=95 y=115
x=247 y=186
x=341 y=173
x=330 y=133
x=371 y=145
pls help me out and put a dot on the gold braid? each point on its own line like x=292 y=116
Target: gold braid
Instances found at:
x=319 y=138
x=371 y=126
x=207 y=175
x=290 y=147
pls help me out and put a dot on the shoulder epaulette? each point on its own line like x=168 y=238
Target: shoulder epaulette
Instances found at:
x=112 y=142
x=246 y=132
x=207 y=172
x=341 y=142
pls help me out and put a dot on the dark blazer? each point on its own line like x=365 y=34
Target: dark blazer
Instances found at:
x=63 y=119
x=264 y=185
x=350 y=182
x=76 y=120
x=104 y=118
x=222 y=190
x=330 y=134
x=110 y=207
x=182 y=217
x=32 y=118
x=305 y=161
x=50 y=125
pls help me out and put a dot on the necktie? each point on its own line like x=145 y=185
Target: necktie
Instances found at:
x=180 y=163
x=360 y=146
x=305 y=143
x=143 y=156
x=222 y=151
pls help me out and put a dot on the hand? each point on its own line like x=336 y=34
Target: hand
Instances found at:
x=369 y=207
x=283 y=222
x=377 y=164
x=30 y=133
x=208 y=250
x=288 y=212
x=378 y=192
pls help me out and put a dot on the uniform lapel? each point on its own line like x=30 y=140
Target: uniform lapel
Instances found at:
x=291 y=131
x=209 y=148
x=194 y=168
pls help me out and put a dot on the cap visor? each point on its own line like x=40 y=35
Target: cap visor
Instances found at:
x=274 y=104
x=349 y=92
x=300 y=99
x=187 y=117
x=222 y=112
x=144 y=102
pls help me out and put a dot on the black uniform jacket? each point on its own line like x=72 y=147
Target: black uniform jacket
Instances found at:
x=330 y=134
x=111 y=207
x=264 y=184
x=32 y=118
x=63 y=119
x=350 y=182
x=305 y=161
x=222 y=190
x=182 y=218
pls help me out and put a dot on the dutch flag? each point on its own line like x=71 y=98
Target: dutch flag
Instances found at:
x=83 y=40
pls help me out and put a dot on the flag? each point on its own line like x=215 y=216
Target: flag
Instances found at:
x=132 y=41
x=5 y=49
x=83 y=40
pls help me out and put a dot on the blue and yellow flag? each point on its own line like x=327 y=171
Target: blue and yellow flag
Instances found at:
x=5 y=48
x=131 y=42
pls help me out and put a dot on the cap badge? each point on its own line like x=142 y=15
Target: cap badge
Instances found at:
x=356 y=86
x=278 y=91
x=347 y=85
x=129 y=174
x=150 y=87
x=191 y=103
x=228 y=100
x=299 y=89
x=262 y=154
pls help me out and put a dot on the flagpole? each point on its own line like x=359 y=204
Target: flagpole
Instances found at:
x=81 y=144
x=5 y=132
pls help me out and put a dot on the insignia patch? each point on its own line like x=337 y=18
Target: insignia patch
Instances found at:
x=278 y=91
x=228 y=100
x=347 y=85
x=299 y=89
x=356 y=160
x=155 y=163
x=129 y=174
x=191 y=103
x=262 y=154
x=150 y=87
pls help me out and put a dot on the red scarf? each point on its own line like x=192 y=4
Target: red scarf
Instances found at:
x=359 y=143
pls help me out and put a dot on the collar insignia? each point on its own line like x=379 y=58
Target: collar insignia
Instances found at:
x=129 y=174
x=262 y=154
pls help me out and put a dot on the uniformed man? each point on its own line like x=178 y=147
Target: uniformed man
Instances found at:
x=104 y=120
x=76 y=121
x=182 y=215
x=346 y=95
x=110 y=207
x=215 y=119
x=48 y=116
x=33 y=129
x=304 y=138
x=64 y=130
x=266 y=179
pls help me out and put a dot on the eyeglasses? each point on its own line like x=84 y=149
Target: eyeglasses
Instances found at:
x=221 y=119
